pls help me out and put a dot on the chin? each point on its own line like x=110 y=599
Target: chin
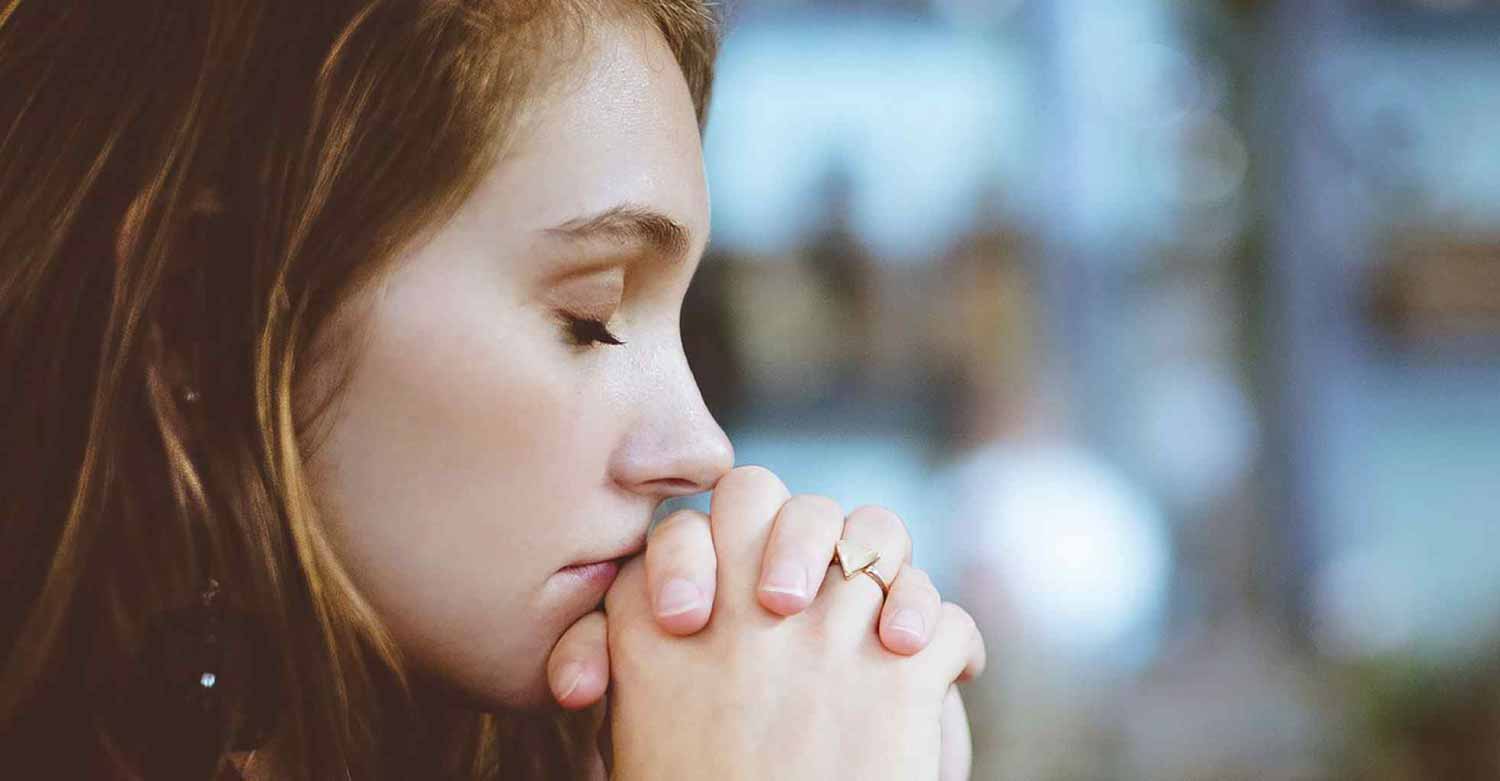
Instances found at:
x=533 y=696
x=486 y=665
x=499 y=686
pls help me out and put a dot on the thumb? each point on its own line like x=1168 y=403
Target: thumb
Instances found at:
x=578 y=669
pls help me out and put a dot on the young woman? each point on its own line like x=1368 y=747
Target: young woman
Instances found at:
x=341 y=380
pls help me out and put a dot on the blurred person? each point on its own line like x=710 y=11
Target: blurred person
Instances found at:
x=342 y=381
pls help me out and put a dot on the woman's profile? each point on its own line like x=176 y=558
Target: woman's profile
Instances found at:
x=342 y=378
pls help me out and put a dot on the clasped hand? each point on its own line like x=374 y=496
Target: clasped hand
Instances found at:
x=732 y=652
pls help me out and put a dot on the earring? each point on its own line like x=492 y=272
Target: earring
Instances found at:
x=189 y=394
x=207 y=684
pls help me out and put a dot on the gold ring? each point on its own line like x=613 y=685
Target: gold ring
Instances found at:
x=885 y=590
x=854 y=558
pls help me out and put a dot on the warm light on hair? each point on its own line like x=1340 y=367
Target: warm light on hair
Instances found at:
x=190 y=193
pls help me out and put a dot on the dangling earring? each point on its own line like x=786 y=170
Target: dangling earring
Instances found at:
x=208 y=685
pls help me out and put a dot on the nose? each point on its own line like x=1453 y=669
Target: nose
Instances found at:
x=674 y=447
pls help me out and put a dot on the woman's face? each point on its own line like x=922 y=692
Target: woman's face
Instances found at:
x=485 y=441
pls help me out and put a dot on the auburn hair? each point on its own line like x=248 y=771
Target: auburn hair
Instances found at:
x=188 y=193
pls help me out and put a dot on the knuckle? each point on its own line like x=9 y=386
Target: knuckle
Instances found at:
x=675 y=557
x=815 y=505
x=588 y=630
x=918 y=581
x=883 y=523
x=879 y=518
x=747 y=478
x=959 y=618
x=745 y=500
x=916 y=576
x=669 y=553
x=678 y=522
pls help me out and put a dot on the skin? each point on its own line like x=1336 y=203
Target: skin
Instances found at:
x=478 y=450
x=815 y=686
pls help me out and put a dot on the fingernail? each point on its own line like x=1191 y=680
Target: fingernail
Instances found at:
x=908 y=621
x=573 y=673
x=786 y=578
x=678 y=596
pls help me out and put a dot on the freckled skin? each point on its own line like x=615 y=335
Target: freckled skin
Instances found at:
x=477 y=450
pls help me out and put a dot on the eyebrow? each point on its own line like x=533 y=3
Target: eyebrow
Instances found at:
x=629 y=224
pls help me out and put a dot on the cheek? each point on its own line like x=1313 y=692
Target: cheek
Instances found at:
x=451 y=478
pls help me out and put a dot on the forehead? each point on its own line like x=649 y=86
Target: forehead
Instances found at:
x=615 y=124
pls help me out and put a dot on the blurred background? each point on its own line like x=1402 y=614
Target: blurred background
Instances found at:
x=1173 y=331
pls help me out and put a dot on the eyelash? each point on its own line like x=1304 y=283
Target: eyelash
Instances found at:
x=587 y=332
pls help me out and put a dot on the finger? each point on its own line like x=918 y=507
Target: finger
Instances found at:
x=957 y=647
x=855 y=601
x=628 y=603
x=910 y=610
x=681 y=570
x=957 y=757
x=798 y=552
x=632 y=635
x=578 y=668
x=745 y=502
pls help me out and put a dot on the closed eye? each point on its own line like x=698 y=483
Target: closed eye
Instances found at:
x=587 y=331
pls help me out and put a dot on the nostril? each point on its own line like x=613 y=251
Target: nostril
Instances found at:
x=677 y=486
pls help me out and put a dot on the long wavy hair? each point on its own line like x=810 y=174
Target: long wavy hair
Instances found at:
x=189 y=191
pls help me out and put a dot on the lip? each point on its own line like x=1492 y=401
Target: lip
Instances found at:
x=617 y=555
x=595 y=573
x=599 y=574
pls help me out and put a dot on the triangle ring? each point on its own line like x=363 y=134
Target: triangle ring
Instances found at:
x=854 y=558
